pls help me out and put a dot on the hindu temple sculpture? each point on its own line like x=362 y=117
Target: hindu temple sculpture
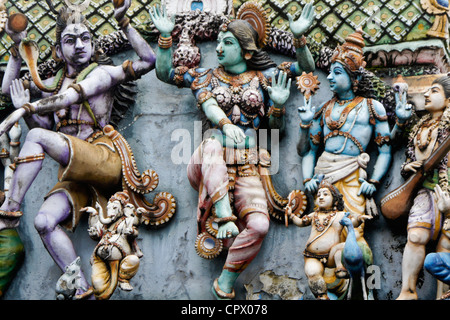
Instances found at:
x=116 y=257
x=344 y=126
x=325 y=247
x=243 y=94
x=424 y=196
x=95 y=160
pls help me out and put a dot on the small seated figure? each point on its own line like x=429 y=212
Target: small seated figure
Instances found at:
x=116 y=257
x=324 y=247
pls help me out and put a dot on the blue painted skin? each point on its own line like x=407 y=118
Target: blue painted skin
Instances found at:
x=438 y=264
x=341 y=84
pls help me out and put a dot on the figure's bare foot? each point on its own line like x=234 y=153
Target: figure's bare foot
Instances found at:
x=219 y=294
x=407 y=295
x=341 y=273
x=125 y=285
x=85 y=294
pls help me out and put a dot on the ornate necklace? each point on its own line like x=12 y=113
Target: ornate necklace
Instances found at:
x=431 y=125
x=342 y=102
x=234 y=80
x=336 y=125
x=321 y=226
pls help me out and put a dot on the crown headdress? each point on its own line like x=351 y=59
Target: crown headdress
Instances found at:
x=350 y=53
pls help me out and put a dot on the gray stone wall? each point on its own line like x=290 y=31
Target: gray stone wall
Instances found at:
x=170 y=268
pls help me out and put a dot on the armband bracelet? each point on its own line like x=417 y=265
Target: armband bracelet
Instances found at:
x=225 y=219
x=305 y=126
x=127 y=67
x=29 y=108
x=123 y=23
x=400 y=125
x=372 y=181
x=306 y=180
x=306 y=220
x=300 y=42
x=223 y=122
x=14 y=51
x=276 y=112
x=165 y=43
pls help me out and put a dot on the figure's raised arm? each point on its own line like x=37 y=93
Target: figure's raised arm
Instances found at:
x=165 y=25
x=305 y=61
x=145 y=53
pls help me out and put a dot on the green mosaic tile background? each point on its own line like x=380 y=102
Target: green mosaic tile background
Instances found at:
x=384 y=21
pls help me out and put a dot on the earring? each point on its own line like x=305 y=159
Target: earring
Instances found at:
x=248 y=56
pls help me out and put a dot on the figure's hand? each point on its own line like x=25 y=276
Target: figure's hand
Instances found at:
x=403 y=110
x=367 y=188
x=362 y=218
x=120 y=12
x=227 y=230
x=15 y=116
x=413 y=166
x=443 y=200
x=234 y=132
x=280 y=89
x=161 y=20
x=307 y=111
x=312 y=185
x=19 y=95
x=16 y=37
x=305 y=21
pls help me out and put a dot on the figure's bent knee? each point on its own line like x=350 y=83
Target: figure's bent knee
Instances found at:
x=42 y=223
x=35 y=134
x=212 y=146
x=417 y=236
x=260 y=225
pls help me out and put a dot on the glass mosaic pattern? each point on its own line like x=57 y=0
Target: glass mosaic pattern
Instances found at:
x=384 y=21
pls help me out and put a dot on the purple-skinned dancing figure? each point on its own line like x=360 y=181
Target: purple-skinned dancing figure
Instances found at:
x=78 y=102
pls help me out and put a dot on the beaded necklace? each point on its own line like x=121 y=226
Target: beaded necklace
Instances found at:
x=321 y=226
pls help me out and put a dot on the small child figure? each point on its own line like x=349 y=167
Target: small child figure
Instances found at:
x=324 y=246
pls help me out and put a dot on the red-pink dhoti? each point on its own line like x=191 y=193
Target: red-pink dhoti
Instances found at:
x=213 y=178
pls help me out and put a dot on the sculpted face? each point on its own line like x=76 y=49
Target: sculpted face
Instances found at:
x=114 y=209
x=340 y=81
x=435 y=100
x=76 y=45
x=228 y=50
x=324 y=199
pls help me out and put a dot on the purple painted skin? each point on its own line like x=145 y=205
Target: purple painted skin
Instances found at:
x=76 y=49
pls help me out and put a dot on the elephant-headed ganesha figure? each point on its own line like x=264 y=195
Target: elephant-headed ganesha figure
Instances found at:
x=115 y=259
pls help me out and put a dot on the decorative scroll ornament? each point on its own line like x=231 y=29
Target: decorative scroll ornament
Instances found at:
x=164 y=204
x=308 y=83
x=254 y=14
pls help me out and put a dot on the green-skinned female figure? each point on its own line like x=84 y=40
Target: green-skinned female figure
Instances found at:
x=235 y=97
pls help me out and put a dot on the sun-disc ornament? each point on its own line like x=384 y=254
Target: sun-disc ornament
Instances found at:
x=207 y=246
x=308 y=83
